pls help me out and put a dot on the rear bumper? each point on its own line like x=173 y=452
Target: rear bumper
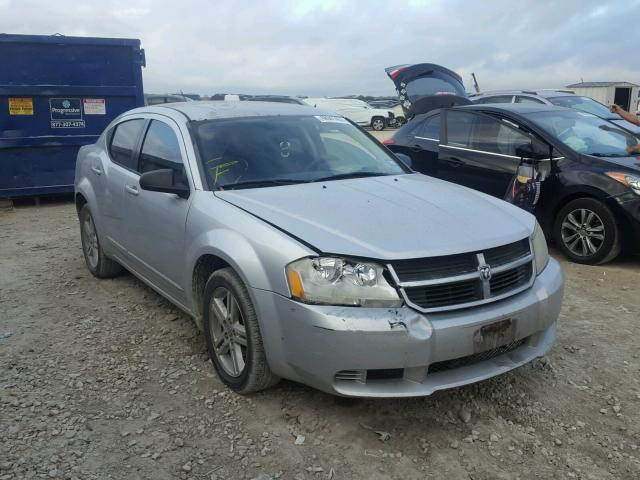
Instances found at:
x=312 y=343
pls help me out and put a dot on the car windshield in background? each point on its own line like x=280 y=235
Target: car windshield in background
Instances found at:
x=585 y=104
x=586 y=133
x=267 y=151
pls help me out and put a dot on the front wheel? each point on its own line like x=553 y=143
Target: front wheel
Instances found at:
x=232 y=334
x=586 y=230
x=377 y=123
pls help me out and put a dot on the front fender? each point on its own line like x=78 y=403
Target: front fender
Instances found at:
x=235 y=250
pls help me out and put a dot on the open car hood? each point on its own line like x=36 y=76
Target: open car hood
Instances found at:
x=426 y=86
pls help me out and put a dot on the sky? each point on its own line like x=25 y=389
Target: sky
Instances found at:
x=330 y=47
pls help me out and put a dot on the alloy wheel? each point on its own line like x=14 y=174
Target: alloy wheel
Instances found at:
x=228 y=332
x=378 y=124
x=583 y=232
x=90 y=243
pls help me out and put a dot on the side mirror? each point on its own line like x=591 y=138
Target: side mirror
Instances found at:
x=163 y=181
x=534 y=151
x=406 y=159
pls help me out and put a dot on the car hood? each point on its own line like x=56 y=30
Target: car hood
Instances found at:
x=388 y=217
x=628 y=162
x=624 y=124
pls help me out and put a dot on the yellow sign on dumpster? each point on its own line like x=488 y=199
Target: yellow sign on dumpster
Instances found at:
x=21 y=106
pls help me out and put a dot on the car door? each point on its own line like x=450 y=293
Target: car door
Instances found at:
x=422 y=145
x=156 y=221
x=479 y=151
x=118 y=172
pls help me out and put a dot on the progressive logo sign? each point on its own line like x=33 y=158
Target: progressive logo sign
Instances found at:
x=66 y=113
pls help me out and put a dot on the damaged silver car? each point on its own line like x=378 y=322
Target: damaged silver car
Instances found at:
x=306 y=250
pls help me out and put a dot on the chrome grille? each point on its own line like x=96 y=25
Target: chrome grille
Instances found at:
x=509 y=279
x=433 y=296
x=466 y=279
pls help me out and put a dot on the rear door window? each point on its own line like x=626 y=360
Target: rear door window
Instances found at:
x=484 y=133
x=431 y=128
x=459 y=128
x=124 y=141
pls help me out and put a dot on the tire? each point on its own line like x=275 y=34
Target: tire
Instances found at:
x=586 y=230
x=97 y=261
x=400 y=121
x=239 y=358
x=377 y=123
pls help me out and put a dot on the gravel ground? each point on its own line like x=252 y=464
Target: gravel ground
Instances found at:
x=105 y=379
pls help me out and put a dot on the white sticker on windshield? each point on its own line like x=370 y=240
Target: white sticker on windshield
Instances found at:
x=331 y=118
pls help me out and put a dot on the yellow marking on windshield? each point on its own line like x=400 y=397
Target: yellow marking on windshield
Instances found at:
x=221 y=169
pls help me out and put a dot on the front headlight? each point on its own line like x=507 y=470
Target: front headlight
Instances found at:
x=631 y=181
x=338 y=281
x=540 y=251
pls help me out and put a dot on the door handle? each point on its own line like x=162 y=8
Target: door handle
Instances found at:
x=96 y=170
x=416 y=148
x=454 y=162
x=131 y=189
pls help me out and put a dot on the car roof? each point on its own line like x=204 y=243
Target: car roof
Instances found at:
x=519 y=108
x=207 y=110
x=544 y=93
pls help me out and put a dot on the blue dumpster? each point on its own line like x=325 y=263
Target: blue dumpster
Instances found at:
x=58 y=93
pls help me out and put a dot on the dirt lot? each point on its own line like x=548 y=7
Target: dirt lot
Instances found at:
x=105 y=379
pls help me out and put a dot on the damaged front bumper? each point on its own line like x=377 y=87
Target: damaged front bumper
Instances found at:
x=375 y=352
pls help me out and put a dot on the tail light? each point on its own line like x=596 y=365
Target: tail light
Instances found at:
x=388 y=141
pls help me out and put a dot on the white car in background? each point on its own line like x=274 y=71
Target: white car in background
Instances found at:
x=356 y=110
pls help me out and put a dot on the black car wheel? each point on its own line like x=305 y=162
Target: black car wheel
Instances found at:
x=587 y=231
x=232 y=334
x=377 y=123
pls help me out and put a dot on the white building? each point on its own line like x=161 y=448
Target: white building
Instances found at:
x=624 y=94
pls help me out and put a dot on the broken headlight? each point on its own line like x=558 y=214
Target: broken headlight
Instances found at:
x=540 y=251
x=338 y=281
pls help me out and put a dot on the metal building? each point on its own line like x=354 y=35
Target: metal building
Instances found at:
x=624 y=94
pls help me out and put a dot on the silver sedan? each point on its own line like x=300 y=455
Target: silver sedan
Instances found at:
x=306 y=250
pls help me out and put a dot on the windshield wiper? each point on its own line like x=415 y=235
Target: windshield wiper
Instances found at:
x=342 y=176
x=598 y=154
x=260 y=183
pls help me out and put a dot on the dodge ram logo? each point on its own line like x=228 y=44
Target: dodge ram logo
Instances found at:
x=485 y=272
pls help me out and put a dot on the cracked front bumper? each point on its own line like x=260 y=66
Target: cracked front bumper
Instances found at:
x=312 y=343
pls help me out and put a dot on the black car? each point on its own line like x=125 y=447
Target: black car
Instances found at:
x=585 y=190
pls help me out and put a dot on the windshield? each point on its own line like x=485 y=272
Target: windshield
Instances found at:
x=585 y=104
x=263 y=151
x=586 y=133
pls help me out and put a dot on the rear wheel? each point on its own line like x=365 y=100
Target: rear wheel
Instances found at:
x=377 y=123
x=586 y=230
x=233 y=336
x=97 y=262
